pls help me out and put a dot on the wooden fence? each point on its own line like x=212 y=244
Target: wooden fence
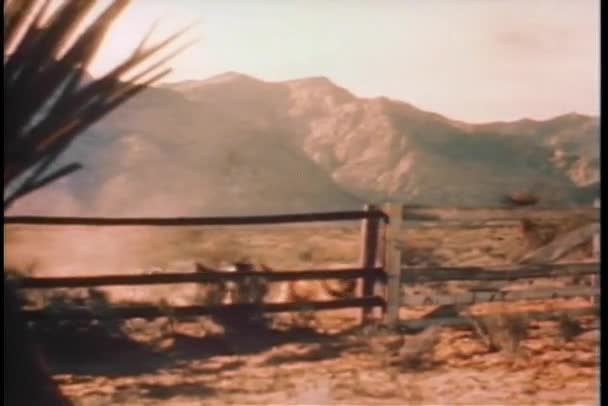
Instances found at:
x=380 y=260
x=398 y=275
x=371 y=218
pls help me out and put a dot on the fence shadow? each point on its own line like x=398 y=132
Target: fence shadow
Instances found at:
x=416 y=256
x=95 y=354
x=316 y=353
x=167 y=392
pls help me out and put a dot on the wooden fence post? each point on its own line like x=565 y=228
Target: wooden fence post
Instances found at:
x=392 y=264
x=368 y=256
x=596 y=255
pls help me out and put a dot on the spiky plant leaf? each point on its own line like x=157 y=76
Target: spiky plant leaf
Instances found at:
x=46 y=106
x=46 y=103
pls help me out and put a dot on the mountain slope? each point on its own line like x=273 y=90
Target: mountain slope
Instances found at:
x=233 y=144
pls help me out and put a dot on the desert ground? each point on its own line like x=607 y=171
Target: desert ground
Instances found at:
x=331 y=360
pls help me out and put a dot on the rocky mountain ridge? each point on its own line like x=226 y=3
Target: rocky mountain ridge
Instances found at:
x=233 y=144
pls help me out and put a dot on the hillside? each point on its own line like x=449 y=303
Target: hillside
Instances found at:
x=233 y=144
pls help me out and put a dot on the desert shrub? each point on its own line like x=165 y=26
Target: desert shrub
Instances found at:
x=420 y=349
x=569 y=327
x=101 y=323
x=405 y=352
x=502 y=332
x=305 y=255
x=55 y=327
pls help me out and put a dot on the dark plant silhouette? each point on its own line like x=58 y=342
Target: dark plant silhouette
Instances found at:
x=46 y=105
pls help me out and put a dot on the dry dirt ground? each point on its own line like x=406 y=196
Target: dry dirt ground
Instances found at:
x=333 y=362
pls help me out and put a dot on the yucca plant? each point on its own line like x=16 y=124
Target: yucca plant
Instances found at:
x=47 y=104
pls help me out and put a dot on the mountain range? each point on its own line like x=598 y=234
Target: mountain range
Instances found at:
x=233 y=144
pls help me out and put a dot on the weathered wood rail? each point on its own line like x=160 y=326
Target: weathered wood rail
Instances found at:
x=370 y=218
x=469 y=298
x=464 y=321
x=198 y=221
x=497 y=273
x=195 y=277
x=475 y=218
x=445 y=215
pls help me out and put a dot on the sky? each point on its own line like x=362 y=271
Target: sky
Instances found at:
x=470 y=60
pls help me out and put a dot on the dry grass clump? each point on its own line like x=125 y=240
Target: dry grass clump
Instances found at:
x=306 y=255
x=72 y=338
x=502 y=332
x=409 y=352
x=569 y=327
x=420 y=349
x=571 y=223
x=94 y=302
x=533 y=234
x=538 y=233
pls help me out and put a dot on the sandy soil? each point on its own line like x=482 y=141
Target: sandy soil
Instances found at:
x=345 y=369
x=336 y=362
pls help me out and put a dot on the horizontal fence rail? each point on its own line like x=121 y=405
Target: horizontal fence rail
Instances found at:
x=198 y=221
x=479 y=216
x=469 y=298
x=461 y=224
x=467 y=321
x=195 y=277
x=502 y=273
x=149 y=311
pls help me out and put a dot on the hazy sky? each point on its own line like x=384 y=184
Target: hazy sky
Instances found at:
x=473 y=60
